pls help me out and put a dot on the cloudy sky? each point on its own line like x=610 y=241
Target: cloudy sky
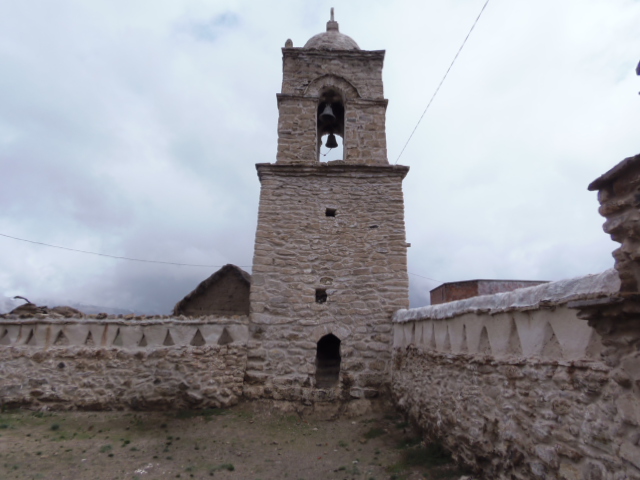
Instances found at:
x=131 y=128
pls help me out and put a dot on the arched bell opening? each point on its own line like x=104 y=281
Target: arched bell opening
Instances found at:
x=330 y=121
x=328 y=361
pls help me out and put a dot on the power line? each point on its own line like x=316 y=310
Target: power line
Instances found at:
x=443 y=79
x=146 y=261
x=422 y=276
x=115 y=256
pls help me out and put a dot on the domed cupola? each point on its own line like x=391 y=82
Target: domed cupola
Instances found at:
x=332 y=39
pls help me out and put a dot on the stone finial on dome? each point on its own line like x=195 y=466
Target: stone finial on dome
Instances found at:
x=332 y=24
x=332 y=39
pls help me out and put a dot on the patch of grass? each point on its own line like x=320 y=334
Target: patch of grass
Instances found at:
x=409 y=443
x=402 y=425
x=374 y=432
x=55 y=427
x=222 y=466
x=207 y=412
x=433 y=455
x=397 y=477
x=105 y=448
x=343 y=444
x=3 y=426
x=352 y=470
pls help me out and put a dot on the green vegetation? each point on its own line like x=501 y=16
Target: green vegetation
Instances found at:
x=222 y=466
x=105 y=448
x=433 y=457
x=374 y=432
x=206 y=413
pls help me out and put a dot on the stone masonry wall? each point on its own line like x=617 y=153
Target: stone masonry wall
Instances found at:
x=361 y=68
x=110 y=363
x=619 y=196
x=365 y=140
x=297 y=130
x=518 y=386
x=357 y=256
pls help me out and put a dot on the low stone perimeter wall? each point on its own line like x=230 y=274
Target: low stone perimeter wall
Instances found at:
x=517 y=386
x=109 y=363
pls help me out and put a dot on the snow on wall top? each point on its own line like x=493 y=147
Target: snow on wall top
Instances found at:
x=554 y=293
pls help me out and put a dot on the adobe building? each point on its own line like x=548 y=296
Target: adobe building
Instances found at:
x=452 y=291
x=330 y=264
x=224 y=293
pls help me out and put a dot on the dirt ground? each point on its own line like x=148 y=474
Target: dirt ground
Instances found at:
x=241 y=443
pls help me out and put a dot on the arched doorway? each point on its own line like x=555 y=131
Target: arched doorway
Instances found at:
x=328 y=361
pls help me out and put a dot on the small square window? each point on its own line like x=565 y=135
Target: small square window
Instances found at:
x=330 y=212
x=321 y=295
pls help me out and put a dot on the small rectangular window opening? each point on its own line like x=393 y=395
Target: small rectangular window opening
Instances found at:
x=321 y=295
x=330 y=212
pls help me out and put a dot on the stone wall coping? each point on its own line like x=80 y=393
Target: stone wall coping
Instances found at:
x=8 y=319
x=337 y=167
x=612 y=174
x=546 y=295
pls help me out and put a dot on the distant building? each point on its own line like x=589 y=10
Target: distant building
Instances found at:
x=448 y=292
x=224 y=293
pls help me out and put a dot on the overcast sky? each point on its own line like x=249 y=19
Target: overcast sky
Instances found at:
x=132 y=128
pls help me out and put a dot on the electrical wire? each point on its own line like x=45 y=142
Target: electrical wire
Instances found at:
x=422 y=276
x=116 y=256
x=443 y=79
x=146 y=261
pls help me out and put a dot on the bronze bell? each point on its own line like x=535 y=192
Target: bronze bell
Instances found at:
x=327 y=117
x=331 y=141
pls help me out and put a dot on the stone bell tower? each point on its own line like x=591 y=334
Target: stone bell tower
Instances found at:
x=330 y=265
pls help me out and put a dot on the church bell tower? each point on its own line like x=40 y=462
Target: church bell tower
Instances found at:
x=330 y=263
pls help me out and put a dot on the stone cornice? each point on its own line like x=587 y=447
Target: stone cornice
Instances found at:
x=335 y=168
x=310 y=98
x=303 y=52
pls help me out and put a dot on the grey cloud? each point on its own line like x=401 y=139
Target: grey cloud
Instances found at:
x=211 y=29
x=133 y=129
